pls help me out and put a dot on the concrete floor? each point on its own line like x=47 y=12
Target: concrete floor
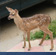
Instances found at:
x=10 y=35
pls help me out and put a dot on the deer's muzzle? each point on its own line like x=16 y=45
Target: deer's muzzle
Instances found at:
x=8 y=18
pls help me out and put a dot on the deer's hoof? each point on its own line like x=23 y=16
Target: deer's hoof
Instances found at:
x=51 y=49
x=39 y=44
x=28 y=49
x=23 y=47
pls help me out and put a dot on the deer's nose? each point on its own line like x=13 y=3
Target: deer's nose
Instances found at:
x=8 y=18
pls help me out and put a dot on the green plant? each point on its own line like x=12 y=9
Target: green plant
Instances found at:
x=40 y=33
x=52 y=27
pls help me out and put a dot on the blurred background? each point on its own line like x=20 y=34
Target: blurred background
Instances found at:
x=10 y=35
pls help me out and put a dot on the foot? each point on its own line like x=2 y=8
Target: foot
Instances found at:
x=40 y=44
x=28 y=49
x=23 y=47
x=51 y=49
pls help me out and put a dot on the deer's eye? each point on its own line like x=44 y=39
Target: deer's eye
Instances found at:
x=13 y=14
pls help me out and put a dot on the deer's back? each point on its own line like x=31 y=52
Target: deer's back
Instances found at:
x=36 y=20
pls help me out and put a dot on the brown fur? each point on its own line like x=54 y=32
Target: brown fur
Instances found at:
x=27 y=24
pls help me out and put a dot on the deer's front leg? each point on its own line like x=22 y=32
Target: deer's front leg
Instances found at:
x=28 y=37
x=24 y=37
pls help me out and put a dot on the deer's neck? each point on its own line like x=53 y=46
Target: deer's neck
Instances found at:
x=18 y=20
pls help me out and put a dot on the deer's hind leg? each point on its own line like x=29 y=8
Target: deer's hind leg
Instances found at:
x=47 y=31
x=43 y=38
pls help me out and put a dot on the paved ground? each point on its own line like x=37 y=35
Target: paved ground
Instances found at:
x=10 y=34
x=45 y=47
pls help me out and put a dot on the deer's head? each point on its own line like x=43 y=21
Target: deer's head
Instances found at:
x=12 y=12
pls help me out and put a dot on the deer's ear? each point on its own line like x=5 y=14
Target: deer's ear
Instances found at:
x=9 y=9
x=16 y=10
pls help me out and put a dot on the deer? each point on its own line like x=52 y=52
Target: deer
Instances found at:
x=27 y=24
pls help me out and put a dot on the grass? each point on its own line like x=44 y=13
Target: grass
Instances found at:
x=39 y=34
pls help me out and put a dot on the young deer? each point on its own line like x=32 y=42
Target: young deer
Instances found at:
x=27 y=24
